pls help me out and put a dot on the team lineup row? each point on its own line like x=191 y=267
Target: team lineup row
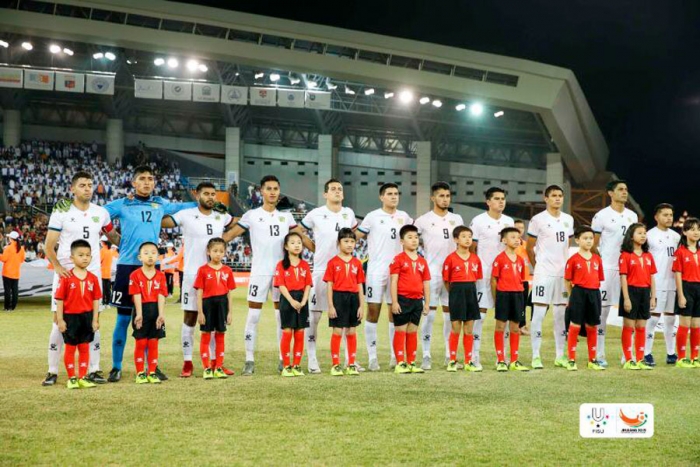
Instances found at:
x=549 y=232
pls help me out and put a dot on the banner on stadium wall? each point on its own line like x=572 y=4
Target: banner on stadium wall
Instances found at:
x=318 y=100
x=266 y=97
x=35 y=279
x=10 y=77
x=290 y=98
x=38 y=79
x=177 y=91
x=242 y=279
x=237 y=95
x=205 y=92
x=148 y=88
x=70 y=82
x=99 y=84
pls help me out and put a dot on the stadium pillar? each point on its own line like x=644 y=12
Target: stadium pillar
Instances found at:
x=327 y=164
x=115 y=140
x=233 y=156
x=12 y=127
x=424 y=176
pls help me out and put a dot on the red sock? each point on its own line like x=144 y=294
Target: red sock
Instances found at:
x=498 y=342
x=299 y=346
x=454 y=343
x=285 y=346
x=592 y=341
x=627 y=332
x=140 y=354
x=83 y=358
x=351 y=340
x=640 y=338
x=514 y=345
x=220 y=339
x=335 y=348
x=411 y=346
x=468 y=341
x=204 y=349
x=400 y=346
x=694 y=342
x=572 y=341
x=681 y=341
x=152 y=355
x=69 y=359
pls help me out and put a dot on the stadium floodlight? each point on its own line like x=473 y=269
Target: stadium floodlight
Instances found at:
x=388 y=95
x=369 y=92
x=172 y=62
x=424 y=100
x=311 y=84
x=500 y=113
x=331 y=86
x=349 y=91
x=294 y=80
x=406 y=96
x=437 y=103
x=4 y=44
x=67 y=51
x=192 y=65
x=476 y=109
x=203 y=68
x=99 y=55
x=460 y=107
x=111 y=57
x=27 y=45
x=157 y=62
x=259 y=75
x=274 y=77
x=54 y=48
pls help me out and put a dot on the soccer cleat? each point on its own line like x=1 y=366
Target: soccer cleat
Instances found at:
x=187 y=369
x=287 y=372
x=50 y=379
x=280 y=366
x=115 y=375
x=643 y=365
x=219 y=374
x=684 y=363
x=427 y=363
x=671 y=359
x=402 y=369
x=561 y=362
x=415 y=369
x=161 y=376
x=392 y=363
x=314 y=368
x=297 y=371
x=571 y=365
x=373 y=365
x=73 y=383
x=649 y=360
x=228 y=371
x=97 y=377
x=452 y=366
x=602 y=361
x=517 y=366
x=501 y=366
x=595 y=365
x=153 y=378
x=85 y=383
x=358 y=367
x=208 y=374
x=141 y=378
x=447 y=361
x=336 y=370
x=472 y=367
x=537 y=364
x=696 y=363
x=630 y=365
x=249 y=368
x=352 y=370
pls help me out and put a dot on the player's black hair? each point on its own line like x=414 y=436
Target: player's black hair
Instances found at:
x=552 y=188
x=143 y=169
x=345 y=232
x=459 y=229
x=507 y=230
x=146 y=244
x=269 y=178
x=661 y=207
x=406 y=229
x=613 y=184
x=628 y=242
x=80 y=174
x=386 y=186
x=80 y=244
x=215 y=241
x=440 y=186
x=286 y=261
x=204 y=185
x=687 y=225
x=519 y=221
x=582 y=229
x=493 y=190
x=328 y=184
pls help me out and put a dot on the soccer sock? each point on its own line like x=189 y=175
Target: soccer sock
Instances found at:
x=600 y=346
x=351 y=341
x=220 y=338
x=83 y=358
x=399 y=345
x=627 y=332
x=446 y=331
x=335 y=348
x=311 y=333
x=640 y=335
x=468 y=341
x=69 y=359
x=392 y=330
x=411 y=346
x=498 y=342
x=538 y=314
x=592 y=341
x=204 y=351
x=55 y=348
x=559 y=312
x=285 y=346
x=427 y=332
x=251 y=332
x=152 y=355
x=119 y=339
x=514 y=346
x=670 y=334
x=650 y=330
x=694 y=343
x=299 y=346
x=140 y=354
x=212 y=347
x=454 y=343
x=574 y=330
x=371 y=339
x=478 y=327
x=95 y=353
x=187 y=341
x=681 y=341
x=278 y=318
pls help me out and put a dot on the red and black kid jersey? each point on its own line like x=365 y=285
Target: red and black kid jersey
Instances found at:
x=412 y=274
x=148 y=288
x=456 y=269
x=509 y=275
x=78 y=295
x=687 y=263
x=638 y=269
x=346 y=276
x=584 y=273
x=294 y=277
x=214 y=282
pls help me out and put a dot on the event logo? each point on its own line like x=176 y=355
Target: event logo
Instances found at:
x=638 y=421
x=177 y=90
x=234 y=94
x=290 y=97
x=616 y=420
x=262 y=93
x=206 y=91
x=100 y=85
x=312 y=97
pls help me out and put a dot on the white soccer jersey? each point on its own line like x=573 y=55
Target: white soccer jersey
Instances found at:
x=487 y=231
x=325 y=225
x=79 y=225
x=383 y=243
x=197 y=229
x=612 y=226
x=552 y=247
x=662 y=246
x=436 y=233
x=267 y=231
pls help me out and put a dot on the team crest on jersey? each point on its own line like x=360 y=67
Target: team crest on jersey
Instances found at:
x=154 y=205
x=421 y=268
x=399 y=221
x=475 y=268
x=353 y=269
x=303 y=273
x=345 y=216
x=452 y=223
x=281 y=218
x=218 y=217
x=95 y=219
x=595 y=266
x=566 y=224
x=90 y=286
x=156 y=285
x=224 y=276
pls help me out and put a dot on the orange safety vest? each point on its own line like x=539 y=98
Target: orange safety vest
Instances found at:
x=106 y=258
x=12 y=260
x=171 y=266
x=522 y=252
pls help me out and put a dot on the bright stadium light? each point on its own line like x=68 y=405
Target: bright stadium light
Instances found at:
x=274 y=77
x=369 y=92
x=312 y=84
x=388 y=95
x=500 y=113
x=259 y=75
x=331 y=86
x=476 y=109
x=111 y=57
x=406 y=96
x=27 y=45
x=460 y=107
x=349 y=91
x=294 y=80
x=192 y=65
x=437 y=103
x=67 y=51
x=157 y=62
x=424 y=100
x=54 y=48
x=4 y=44
x=172 y=62
x=99 y=55
x=203 y=68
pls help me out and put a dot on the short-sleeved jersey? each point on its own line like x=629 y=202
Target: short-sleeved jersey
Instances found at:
x=436 y=233
x=412 y=274
x=197 y=229
x=552 y=246
x=687 y=263
x=383 y=243
x=214 y=282
x=487 y=232
x=325 y=225
x=78 y=295
x=294 y=277
x=267 y=231
x=80 y=225
x=612 y=226
x=662 y=246
x=139 y=221
x=585 y=273
x=509 y=274
x=149 y=289
x=346 y=276
x=638 y=269
x=457 y=269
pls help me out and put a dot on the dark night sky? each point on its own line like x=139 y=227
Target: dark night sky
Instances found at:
x=637 y=61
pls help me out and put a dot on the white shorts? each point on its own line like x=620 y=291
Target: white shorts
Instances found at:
x=319 y=292
x=378 y=288
x=258 y=288
x=54 y=286
x=549 y=290
x=439 y=296
x=665 y=301
x=483 y=292
x=188 y=294
x=610 y=288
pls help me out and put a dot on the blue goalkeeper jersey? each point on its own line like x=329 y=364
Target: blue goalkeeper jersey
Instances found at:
x=139 y=221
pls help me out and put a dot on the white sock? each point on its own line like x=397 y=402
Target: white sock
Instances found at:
x=446 y=330
x=95 y=353
x=650 y=331
x=371 y=339
x=538 y=314
x=278 y=317
x=311 y=333
x=212 y=346
x=478 y=328
x=187 y=341
x=251 y=332
x=559 y=312
x=426 y=331
x=392 y=330
x=600 y=346
x=55 y=348
x=670 y=334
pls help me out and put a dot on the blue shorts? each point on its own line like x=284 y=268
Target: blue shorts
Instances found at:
x=120 y=291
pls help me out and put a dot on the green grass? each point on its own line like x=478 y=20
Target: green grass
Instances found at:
x=436 y=418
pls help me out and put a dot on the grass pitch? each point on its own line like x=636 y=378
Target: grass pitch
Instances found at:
x=380 y=418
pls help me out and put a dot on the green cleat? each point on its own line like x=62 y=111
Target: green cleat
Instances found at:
x=153 y=378
x=517 y=366
x=208 y=374
x=336 y=370
x=642 y=365
x=630 y=365
x=696 y=363
x=220 y=374
x=415 y=368
x=287 y=372
x=537 y=364
x=684 y=363
x=561 y=362
x=85 y=383
x=402 y=369
x=351 y=370
x=452 y=366
x=571 y=365
x=471 y=367
x=141 y=378
x=296 y=369
x=594 y=365
x=73 y=383
x=501 y=366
